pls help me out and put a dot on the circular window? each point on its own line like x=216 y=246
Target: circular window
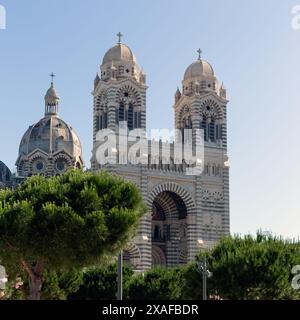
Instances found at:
x=126 y=94
x=60 y=165
x=208 y=108
x=39 y=166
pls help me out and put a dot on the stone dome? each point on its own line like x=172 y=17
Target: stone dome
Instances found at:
x=5 y=175
x=199 y=68
x=119 y=63
x=51 y=135
x=50 y=146
x=119 y=52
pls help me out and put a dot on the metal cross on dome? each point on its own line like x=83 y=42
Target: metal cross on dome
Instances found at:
x=52 y=75
x=119 y=35
x=199 y=53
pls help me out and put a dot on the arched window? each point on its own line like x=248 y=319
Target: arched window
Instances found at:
x=204 y=128
x=98 y=126
x=219 y=131
x=206 y=169
x=130 y=117
x=212 y=130
x=104 y=121
x=101 y=121
x=121 y=114
x=157 y=233
x=188 y=122
x=136 y=120
x=213 y=168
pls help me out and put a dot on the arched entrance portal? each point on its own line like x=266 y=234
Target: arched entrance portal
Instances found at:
x=169 y=229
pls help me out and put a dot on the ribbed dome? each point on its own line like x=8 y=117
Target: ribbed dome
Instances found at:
x=199 y=68
x=120 y=52
x=5 y=175
x=51 y=134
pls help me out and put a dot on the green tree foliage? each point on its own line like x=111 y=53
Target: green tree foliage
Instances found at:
x=100 y=283
x=192 y=284
x=156 y=284
x=248 y=268
x=59 y=285
x=56 y=285
x=66 y=222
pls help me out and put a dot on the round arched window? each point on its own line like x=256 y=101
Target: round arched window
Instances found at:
x=60 y=165
x=39 y=165
x=78 y=165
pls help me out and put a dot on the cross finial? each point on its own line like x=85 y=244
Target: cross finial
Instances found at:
x=199 y=53
x=52 y=75
x=119 y=35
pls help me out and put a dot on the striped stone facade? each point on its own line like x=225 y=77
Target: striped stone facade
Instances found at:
x=185 y=211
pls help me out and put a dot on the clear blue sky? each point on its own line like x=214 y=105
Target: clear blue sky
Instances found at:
x=250 y=44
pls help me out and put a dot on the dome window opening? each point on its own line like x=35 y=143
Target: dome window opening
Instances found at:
x=78 y=165
x=60 y=165
x=39 y=166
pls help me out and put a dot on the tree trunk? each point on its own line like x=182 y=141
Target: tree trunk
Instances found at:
x=35 y=275
x=35 y=287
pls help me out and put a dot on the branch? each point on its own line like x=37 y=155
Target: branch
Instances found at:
x=39 y=268
x=27 y=268
x=10 y=245
x=23 y=262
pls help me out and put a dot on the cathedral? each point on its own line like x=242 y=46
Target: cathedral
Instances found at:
x=187 y=212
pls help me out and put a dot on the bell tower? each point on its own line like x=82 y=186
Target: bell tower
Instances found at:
x=202 y=104
x=119 y=93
